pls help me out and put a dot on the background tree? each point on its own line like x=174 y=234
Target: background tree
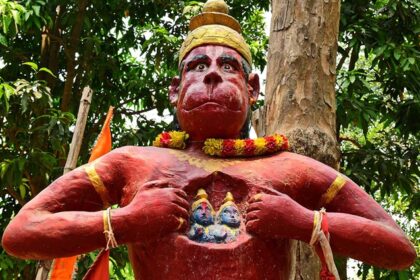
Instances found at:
x=127 y=52
x=300 y=93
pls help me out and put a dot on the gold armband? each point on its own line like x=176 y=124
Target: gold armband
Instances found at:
x=97 y=183
x=333 y=189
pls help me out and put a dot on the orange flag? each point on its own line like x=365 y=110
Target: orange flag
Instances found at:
x=100 y=268
x=63 y=268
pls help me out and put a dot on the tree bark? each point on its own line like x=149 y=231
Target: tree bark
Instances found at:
x=300 y=95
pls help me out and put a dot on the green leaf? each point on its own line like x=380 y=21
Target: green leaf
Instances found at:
x=6 y=22
x=397 y=54
x=33 y=65
x=36 y=9
x=43 y=69
x=3 y=40
x=22 y=190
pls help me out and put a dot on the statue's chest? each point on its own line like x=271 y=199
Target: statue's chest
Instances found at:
x=217 y=177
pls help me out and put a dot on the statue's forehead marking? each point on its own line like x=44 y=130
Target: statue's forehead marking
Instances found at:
x=210 y=165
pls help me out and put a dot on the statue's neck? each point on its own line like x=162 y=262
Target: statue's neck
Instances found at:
x=195 y=146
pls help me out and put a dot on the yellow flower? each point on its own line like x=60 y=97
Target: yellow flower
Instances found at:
x=259 y=146
x=178 y=139
x=213 y=147
x=157 y=142
x=279 y=139
x=239 y=147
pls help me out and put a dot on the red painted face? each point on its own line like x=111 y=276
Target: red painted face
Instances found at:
x=213 y=97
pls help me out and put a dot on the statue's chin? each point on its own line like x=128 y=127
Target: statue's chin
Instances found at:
x=211 y=121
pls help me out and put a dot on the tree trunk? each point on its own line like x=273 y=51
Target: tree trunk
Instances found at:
x=300 y=95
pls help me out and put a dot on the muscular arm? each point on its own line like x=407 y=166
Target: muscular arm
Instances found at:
x=66 y=218
x=359 y=227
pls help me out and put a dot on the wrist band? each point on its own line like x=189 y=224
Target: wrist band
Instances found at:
x=321 y=235
x=109 y=234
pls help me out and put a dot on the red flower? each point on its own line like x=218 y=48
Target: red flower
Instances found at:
x=285 y=144
x=165 y=139
x=270 y=144
x=249 y=147
x=228 y=147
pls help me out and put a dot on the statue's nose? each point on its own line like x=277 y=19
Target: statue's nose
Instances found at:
x=212 y=78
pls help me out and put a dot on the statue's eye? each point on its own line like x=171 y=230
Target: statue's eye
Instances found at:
x=201 y=67
x=227 y=67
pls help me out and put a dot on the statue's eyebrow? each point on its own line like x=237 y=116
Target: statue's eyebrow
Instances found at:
x=226 y=58
x=197 y=59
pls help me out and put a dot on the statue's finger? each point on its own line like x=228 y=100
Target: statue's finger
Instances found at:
x=252 y=215
x=257 y=197
x=181 y=202
x=155 y=184
x=181 y=193
x=254 y=206
x=251 y=226
x=181 y=211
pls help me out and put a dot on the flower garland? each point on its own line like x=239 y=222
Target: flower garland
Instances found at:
x=245 y=147
x=226 y=147
x=171 y=139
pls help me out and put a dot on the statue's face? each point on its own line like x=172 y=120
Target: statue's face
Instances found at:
x=203 y=215
x=213 y=97
x=230 y=216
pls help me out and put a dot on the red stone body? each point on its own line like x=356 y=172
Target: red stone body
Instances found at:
x=155 y=187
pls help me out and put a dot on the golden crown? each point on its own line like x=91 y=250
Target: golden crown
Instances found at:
x=215 y=27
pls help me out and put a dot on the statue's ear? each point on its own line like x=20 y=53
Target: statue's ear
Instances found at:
x=174 y=90
x=253 y=87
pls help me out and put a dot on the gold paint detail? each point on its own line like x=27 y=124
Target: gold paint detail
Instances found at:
x=209 y=165
x=97 y=183
x=333 y=189
x=215 y=34
x=181 y=222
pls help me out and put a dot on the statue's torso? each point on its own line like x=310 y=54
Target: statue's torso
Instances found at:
x=249 y=257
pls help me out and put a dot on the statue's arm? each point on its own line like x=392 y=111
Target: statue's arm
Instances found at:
x=358 y=225
x=67 y=218
x=361 y=229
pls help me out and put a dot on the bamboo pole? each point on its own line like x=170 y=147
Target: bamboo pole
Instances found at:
x=76 y=142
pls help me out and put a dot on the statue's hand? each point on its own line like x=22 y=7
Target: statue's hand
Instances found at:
x=158 y=209
x=278 y=216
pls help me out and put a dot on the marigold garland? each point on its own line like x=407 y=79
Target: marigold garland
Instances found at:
x=171 y=139
x=245 y=147
x=226 y=147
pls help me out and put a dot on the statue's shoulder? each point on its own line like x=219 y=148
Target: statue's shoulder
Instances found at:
x=148 y=153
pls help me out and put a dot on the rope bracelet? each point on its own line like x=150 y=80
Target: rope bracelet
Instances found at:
x=109 y=234
x=318 y=235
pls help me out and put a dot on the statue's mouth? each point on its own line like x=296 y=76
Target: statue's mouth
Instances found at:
x=210 y=105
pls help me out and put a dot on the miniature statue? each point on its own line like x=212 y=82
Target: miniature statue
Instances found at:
x=154 y=186
x=202 y=218
x=228 y=220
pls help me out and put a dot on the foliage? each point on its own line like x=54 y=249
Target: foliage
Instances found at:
x=126 y=51
x=378 y=107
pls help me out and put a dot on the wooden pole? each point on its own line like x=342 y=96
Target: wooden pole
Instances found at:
x=76 y=143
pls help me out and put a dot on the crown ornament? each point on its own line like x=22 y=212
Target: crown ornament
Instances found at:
x=214 y=26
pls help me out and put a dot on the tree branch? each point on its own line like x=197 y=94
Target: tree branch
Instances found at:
x=354 y=142
x=72 y=47
x=129 y=112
